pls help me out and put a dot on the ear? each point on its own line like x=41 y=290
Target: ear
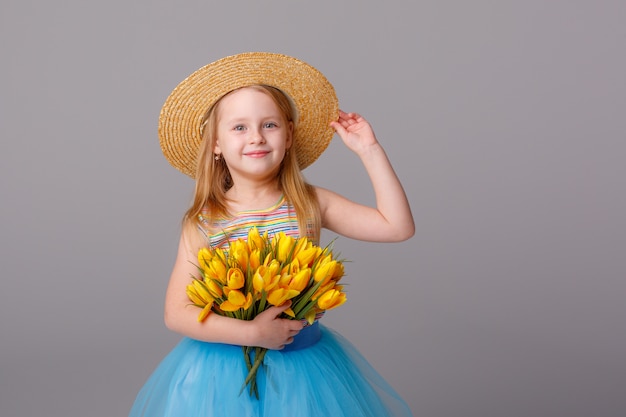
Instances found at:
x=289 y=141
x=216 y=148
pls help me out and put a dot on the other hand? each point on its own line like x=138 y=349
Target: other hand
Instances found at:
x=355 y=131
x=274 y=332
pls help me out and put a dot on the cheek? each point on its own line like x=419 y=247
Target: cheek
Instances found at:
x=221 y=141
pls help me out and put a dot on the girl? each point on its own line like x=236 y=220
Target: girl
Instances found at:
x=244 y=127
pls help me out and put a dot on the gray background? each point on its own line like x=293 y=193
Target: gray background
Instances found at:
x=505 y=121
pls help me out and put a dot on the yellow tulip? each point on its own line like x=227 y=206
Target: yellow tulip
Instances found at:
x=338 y=272
x=306 y=256
x=235 y=279
x=293 y=267
x=214 y=288
x=274 y=267
x=279 y=295
x=204 y=256
x=216 y=269
x=285 y=246
x=236 y=300
x=202 y=291
x=324 y=271
x=204 y=313
x=249 y=301
x=228 y=306
x=255 y=259
x=310 y=316
x=258 y=282
x=239 y=253
x=220 y=255
x=322 y=289
x=193 y=296
x=265 y=278
x=255 y=241
x=300 y=244
x=300 y=280
x=284 y=278
x=331 y=299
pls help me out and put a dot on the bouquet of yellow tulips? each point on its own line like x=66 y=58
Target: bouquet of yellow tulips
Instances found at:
x=254 y=274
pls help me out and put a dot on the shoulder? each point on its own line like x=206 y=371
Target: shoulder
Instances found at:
x=192 y=238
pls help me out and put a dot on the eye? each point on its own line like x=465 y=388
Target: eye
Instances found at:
x=239 y=128
x=270 y=125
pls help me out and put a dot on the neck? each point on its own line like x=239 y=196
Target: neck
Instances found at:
x=242 y=196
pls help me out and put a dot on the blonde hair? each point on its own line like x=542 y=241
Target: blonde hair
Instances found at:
x=213 y=178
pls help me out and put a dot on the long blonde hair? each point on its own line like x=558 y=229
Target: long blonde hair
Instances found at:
x=213 y=178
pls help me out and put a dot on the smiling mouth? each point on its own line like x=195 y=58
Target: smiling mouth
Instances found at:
x=256 y=154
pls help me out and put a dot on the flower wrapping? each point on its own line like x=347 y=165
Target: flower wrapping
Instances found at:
x=254 y=274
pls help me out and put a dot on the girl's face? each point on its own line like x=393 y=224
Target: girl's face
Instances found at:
x=252 y=134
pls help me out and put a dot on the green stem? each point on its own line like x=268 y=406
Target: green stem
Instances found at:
x=252 y=371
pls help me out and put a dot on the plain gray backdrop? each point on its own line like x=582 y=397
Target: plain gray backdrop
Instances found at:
x=505 y=121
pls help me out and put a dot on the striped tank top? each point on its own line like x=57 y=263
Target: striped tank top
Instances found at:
x=281 y=217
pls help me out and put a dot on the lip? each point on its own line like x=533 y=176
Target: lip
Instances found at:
x=256 y=154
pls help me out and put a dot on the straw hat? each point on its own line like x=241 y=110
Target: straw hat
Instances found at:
x=180 y=122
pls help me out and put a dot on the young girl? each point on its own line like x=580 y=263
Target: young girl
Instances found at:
x=244 y=127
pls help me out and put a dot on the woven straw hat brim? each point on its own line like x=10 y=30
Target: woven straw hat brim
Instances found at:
x=180 y=121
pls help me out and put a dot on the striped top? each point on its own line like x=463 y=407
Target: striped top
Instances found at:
x=281 y=217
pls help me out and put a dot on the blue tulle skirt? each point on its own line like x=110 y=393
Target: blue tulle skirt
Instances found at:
x=320 y=374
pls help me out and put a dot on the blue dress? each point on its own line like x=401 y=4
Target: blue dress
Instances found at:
x=320 y=374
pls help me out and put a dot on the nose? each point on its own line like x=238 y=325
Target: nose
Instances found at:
x=256 y=136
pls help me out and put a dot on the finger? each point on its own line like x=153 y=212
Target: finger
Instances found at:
x=295 y=326
x=275 y=311
x=348 y=115
x=341 y=131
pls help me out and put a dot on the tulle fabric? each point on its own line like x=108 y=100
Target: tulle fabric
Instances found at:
x=329 y=378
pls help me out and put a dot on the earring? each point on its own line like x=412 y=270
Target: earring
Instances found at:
x=217 y=156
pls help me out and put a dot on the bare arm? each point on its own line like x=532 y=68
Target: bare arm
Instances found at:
x=266 y=330
x=391 y=220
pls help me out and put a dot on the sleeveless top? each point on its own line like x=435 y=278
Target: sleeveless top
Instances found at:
x=280 y=217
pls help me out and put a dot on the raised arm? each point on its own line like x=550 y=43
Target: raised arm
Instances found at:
x=266 y=330
x=391 y=220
